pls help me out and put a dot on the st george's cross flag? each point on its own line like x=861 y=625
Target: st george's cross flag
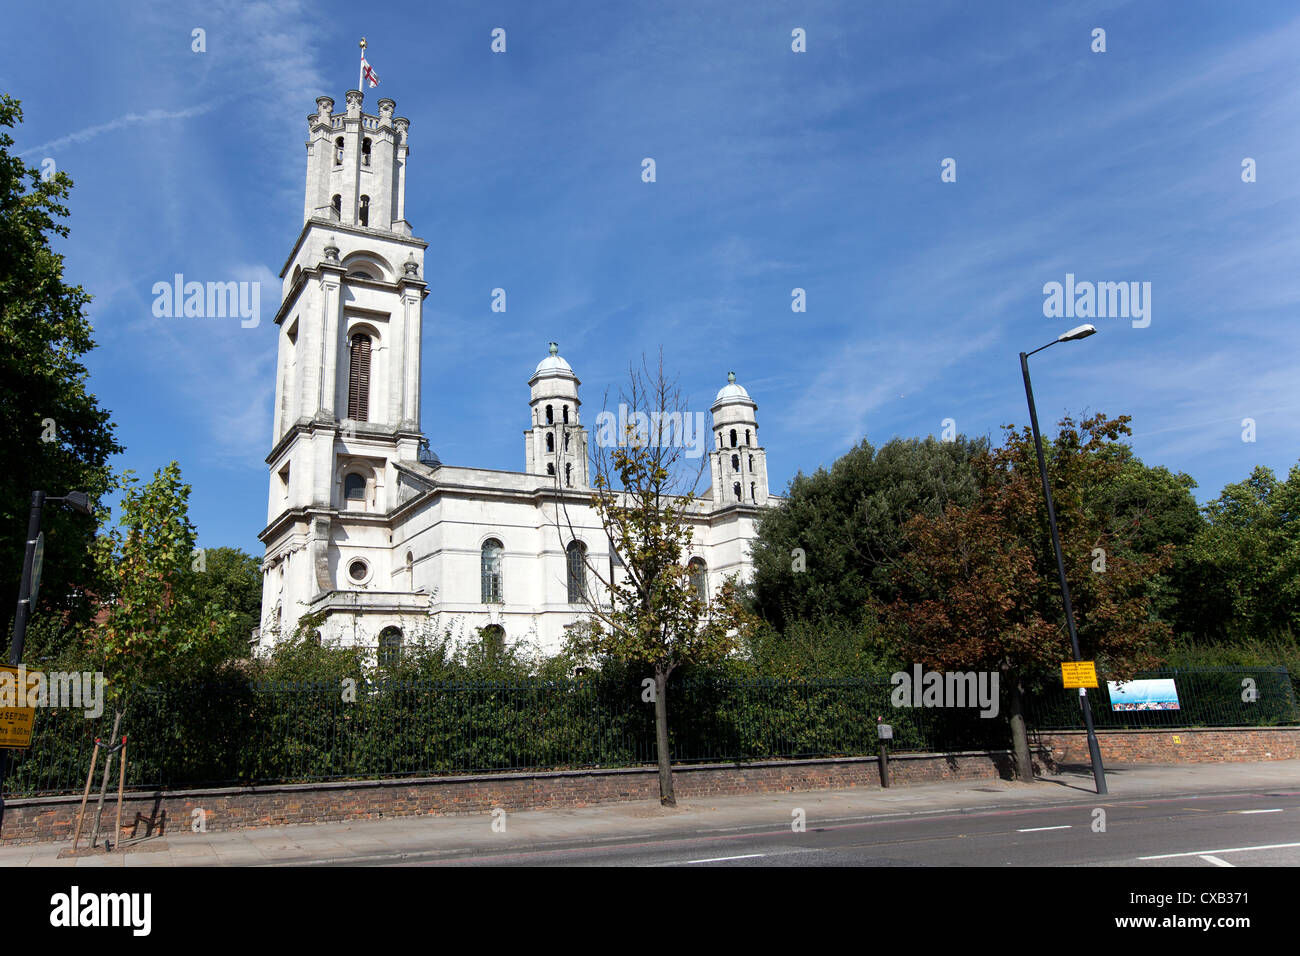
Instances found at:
x=367 y=72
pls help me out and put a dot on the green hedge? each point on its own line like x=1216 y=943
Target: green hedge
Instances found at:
x=248 y=732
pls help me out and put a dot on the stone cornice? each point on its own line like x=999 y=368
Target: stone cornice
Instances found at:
x=359 y=430
x=335 y=226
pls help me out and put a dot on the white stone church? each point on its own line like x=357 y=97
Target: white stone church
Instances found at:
x=364 y=523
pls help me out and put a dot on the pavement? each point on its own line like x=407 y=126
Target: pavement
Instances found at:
x=1187 y=814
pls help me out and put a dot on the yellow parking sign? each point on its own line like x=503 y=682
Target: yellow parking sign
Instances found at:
x=1079 y=674
x=15 y=722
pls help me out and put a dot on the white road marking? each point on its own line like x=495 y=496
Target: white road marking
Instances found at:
x=1231 y=849
x=1278 y=810
x=1040 y=829
x=1215 y=860
x=720 y=859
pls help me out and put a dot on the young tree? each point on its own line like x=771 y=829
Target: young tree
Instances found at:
x=152 y=626
x=650 y=611
x=54 y=436
x=979 y=586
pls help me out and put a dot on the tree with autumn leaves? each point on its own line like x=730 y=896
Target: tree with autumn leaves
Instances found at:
x=646 y=610
x=977 y=585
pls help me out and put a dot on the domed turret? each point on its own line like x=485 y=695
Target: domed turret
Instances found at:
x=739 y=463
x=556 y=444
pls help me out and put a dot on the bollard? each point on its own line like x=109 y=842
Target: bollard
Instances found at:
x=886 y=733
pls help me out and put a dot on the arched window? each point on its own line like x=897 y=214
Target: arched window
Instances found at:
x=736 y=490
x=494 y=641
x=359 y=379
x=491 y=568
x=566 y=441
x=733 y=438
x=410 y=570
x=390 y=646
x=337 y=205
x=576 y=555
x=550 y=415
x=753 y=496
x=550 y=442
x=751 y=462
x=735 y=463
x=365 y=152
x=746 y=436
x=565 y=410
x=568 y=474
x=699 y=572
x=363 y=214
x=354 y=487
x=338 y=151
x=550 y=468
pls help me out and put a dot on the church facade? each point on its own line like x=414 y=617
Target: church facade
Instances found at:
x=366 y=528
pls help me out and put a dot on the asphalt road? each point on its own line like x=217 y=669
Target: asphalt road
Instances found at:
x=1259 y=828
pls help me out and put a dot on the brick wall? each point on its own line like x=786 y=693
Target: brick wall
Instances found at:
x=1217 y=745
x=42 y=819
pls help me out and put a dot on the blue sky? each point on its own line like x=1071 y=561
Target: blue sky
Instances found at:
x=775 y=170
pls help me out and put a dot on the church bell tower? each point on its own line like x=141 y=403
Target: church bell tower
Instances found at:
x=347 y=394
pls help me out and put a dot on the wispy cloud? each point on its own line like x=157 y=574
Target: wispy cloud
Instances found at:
x=122 y=122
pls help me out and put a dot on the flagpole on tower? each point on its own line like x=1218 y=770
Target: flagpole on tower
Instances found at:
x=361 y=75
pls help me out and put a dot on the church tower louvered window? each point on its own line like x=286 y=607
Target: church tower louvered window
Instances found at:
x=359 y=379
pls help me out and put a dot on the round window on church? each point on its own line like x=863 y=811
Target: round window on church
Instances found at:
x=358 y=571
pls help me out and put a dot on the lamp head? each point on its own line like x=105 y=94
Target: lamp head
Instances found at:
x=1078 y=332
x=78 y=501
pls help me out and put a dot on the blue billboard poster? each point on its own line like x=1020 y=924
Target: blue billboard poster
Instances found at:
x=1143 y=694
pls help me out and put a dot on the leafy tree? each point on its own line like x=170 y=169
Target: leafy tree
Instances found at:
x=651 y=614
x=979 y=589
x=54 y=436
x=825 y=551
x=1149 y=507
x=230 y=580
x=152 y=626
x=1245 y=564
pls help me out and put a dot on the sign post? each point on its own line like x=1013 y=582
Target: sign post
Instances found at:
x=38 y=561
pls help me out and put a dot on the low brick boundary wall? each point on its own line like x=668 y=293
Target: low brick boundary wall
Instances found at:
x=46 y=819
x=1173 y=745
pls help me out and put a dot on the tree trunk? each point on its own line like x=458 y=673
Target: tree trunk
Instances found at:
x=666 y=797
x=103 y=787
x=1019 y=736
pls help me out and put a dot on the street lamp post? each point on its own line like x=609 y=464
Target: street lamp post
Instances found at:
x=1094 y=751
x=78 y=501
